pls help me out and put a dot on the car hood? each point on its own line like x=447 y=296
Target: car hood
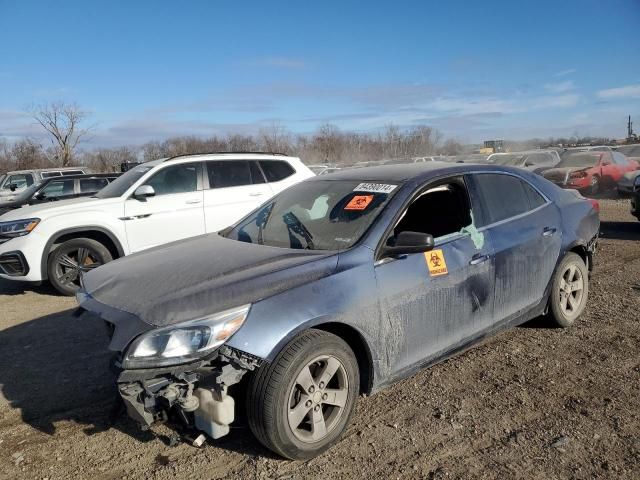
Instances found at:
x=198 y=277
x=46 y=209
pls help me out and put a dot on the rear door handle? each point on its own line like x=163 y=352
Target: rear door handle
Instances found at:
x=256 y=194
x=477 y=259
x=548 y=231
x=193 y=202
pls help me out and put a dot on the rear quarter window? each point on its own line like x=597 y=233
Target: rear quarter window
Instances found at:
x=276 y=170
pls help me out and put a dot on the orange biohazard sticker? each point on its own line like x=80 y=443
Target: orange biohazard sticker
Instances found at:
x=436 y=263
x=359 y=202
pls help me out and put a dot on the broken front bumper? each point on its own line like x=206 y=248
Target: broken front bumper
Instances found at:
x=197 y=392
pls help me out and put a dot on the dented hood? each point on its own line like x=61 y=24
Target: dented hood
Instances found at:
x=199 y=276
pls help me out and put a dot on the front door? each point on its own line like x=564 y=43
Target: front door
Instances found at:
x=434 y=302
x=173 y=213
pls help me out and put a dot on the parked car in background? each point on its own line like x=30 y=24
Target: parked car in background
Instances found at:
x=12 y=183
x=60 y=188
x=629 y=151
x=635 y=198
x=535 y=161
x=626 y=185
x=468 y=158
x=154 y=203
x=340 y=285
x=588 y=171
x=327 y=170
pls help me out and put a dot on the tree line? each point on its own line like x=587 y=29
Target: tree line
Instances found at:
x=66 y=127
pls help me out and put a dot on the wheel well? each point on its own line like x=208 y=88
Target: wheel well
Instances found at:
x=360 y=349
x=583 y=253
x=111 y=243
x=96 y=235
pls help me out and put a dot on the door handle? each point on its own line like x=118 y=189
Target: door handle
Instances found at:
x=548 y=231
x=256 y=194
x=477 y=259
x=193 y=202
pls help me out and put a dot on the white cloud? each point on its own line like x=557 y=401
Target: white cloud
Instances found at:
x=560 y=87
x=628 y=91
x=564 y=73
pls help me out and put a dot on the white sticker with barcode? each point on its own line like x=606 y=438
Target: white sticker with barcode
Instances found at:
x=375 y=188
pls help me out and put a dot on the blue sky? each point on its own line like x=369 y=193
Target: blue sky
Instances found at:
x=474 y=70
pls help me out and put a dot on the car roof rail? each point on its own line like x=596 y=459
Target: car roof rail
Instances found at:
x=225 y=153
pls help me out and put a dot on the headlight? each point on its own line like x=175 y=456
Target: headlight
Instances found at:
x=184 y=342
x=18 y=228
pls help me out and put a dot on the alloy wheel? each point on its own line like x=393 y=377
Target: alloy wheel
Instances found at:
x=71 y=265
x=571 y=291
x=318 y=399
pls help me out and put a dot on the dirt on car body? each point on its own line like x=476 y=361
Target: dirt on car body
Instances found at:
x=533 y=402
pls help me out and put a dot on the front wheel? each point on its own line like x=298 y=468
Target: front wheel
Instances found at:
x=569 y=291
x=70 y=260
x=300 y=404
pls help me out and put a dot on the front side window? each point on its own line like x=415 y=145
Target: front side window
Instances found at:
x=57 y=188
x=276 y=170
x=319 y=215
x=20 y=181
x=92 y=184
x=124 y=182
x=505 y=196
x=439 y=211
x=181 y=178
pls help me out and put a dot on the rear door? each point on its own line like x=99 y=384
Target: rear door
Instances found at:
x=435 y=301
x=526 y=234
x=233 y=188
x=174 y=213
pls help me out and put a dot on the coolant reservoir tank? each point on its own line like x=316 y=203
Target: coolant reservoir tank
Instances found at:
x=215 y=413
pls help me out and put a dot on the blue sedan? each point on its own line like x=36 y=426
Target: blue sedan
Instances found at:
x=340 y=285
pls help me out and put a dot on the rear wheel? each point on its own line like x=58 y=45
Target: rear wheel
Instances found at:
x=569 y=291
x=299 y=405
x=70 y=260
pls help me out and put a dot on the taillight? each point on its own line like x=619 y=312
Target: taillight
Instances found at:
x=594 y=204
x=577 y=174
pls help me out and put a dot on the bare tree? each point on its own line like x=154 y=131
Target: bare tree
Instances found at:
x=62 y=121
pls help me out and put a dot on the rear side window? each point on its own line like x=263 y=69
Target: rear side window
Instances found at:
x=92 y=184
x=505 y=196
x=234 y=173
x=276 y=170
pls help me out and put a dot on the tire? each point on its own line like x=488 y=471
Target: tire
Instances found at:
x=594 y=188
x=64 y=270
x=276 y=399
x=571 y=274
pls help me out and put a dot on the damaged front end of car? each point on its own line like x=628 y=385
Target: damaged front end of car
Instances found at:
x=184 y=369
x=197 y=393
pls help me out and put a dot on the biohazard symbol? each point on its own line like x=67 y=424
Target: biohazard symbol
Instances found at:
x=359 y=202
x=436 y=263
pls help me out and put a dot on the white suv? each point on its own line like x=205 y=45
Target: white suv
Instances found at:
x=152 y=204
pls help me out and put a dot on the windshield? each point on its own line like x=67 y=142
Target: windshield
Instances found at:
x=579 y=160
x=2 y=177
x=508 y=159
x=319 y=215
x=123 y=183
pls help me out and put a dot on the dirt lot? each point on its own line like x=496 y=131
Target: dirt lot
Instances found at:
x=532 y=402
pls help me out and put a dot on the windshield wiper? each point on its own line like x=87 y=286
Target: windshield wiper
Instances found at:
x=294 y=224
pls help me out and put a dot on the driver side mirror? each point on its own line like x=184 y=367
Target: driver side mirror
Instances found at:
x=144 y=191
x=40 y=196
x=12 y=187
x=409 y=242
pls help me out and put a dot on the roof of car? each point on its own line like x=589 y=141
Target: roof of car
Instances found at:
x=270 y=154
x=408 y=171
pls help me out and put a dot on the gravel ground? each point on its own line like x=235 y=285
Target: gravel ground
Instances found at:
x=532 y=402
